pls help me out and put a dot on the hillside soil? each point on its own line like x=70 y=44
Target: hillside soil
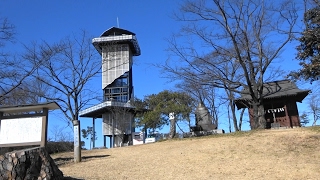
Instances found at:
x=266 y=154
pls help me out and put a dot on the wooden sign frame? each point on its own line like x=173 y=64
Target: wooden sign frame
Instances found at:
x=28 y=111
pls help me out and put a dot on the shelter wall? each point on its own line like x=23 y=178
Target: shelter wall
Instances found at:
x=283 y=111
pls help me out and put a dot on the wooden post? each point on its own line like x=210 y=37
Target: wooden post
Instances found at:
x=288 y=119
x=77 y=141
x=44 y=127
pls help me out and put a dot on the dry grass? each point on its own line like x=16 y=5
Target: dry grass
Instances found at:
x=268 y=154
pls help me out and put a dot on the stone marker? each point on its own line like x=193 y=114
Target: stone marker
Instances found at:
x=33 y=163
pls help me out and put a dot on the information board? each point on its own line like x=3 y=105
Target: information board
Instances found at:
x=20 y=130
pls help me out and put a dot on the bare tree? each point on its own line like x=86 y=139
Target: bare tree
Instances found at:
x=314 y=104
x=60 y=134
x=7 y=31
x=205 y=94
x=30 y=91
x=67 y=68
x=314 y=107
x=247 y=34
x=14 y=71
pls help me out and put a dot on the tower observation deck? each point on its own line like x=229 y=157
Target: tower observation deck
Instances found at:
x=117 y=48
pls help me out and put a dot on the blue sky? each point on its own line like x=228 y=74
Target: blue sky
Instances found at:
x=37 y=20
x=53 y=20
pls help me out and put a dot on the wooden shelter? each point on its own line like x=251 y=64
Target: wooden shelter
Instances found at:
x=280 y=103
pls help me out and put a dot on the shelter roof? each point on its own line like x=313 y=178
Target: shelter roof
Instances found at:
x=275 y=89
x=29 y=107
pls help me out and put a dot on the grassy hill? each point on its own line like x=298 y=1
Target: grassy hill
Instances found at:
x=266 y=154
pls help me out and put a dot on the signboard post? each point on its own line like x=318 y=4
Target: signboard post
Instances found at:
x=77 y=141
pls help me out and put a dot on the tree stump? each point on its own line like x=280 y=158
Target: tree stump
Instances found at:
x=33 y=164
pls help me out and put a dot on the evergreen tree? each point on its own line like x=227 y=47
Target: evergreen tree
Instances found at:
x=89 y=132
x=159 y=106
x=309 y=48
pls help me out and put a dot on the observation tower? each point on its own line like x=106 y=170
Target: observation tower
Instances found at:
x=117 y=48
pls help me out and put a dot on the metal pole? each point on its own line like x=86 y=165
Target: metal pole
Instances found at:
x=112 y=132
x=110 y=141
x=145 y=134
x=77 y=141
x=94 y=133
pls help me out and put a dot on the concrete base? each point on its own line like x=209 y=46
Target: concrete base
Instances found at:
x=203 y=133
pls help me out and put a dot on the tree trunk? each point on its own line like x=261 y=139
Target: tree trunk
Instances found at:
x=314 y=119
x=190 y=124
x=314 y=123
x=234 y=117
x=90 y=140
x=258 y=116
x=229 y=119
x=241 y=118
x=172 y=128
x=262 y=121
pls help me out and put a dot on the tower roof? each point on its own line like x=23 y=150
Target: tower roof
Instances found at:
x=117 y=36
x=113 y=31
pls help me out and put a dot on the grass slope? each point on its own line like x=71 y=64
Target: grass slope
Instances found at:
x=266 y=154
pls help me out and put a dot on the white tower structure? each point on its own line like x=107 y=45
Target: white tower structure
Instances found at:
x=117 y=48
